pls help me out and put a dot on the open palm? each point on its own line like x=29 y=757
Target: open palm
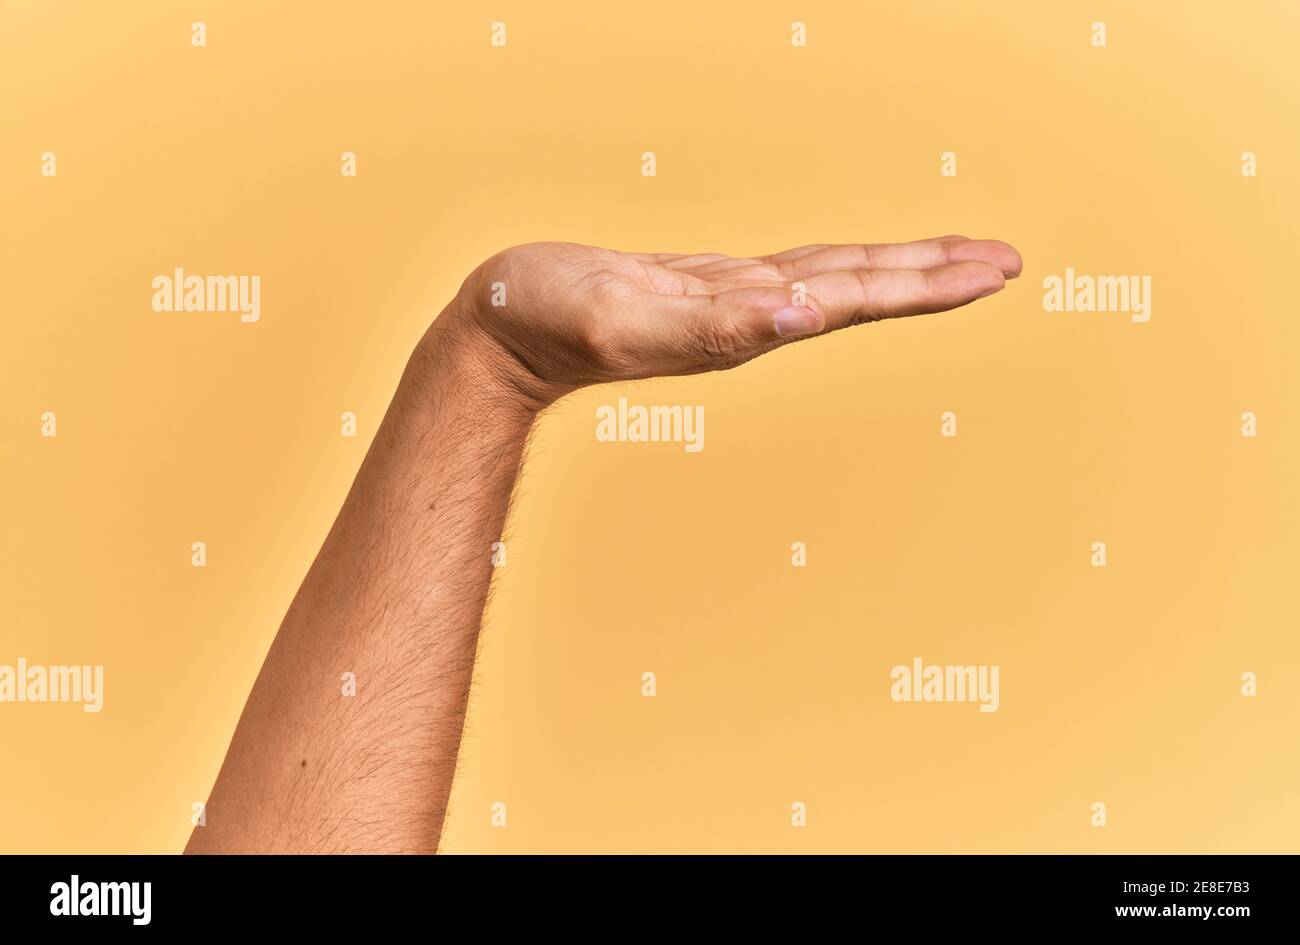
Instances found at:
x=576 y=315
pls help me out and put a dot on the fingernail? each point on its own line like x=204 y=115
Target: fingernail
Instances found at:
x=796 y=320
x=989 y=291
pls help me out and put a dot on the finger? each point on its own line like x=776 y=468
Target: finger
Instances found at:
x=688 y=262
x=798 y=252
x=719 y=268
x=923 y=255
x=850 y=297
x=656 y=258
x=696 y=259
x=706 y=332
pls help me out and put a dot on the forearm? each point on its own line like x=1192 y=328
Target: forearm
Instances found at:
x=395 y=597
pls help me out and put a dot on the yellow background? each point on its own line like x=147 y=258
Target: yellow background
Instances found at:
x=1118 y=684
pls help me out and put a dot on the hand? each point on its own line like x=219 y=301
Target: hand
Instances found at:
x=569 y=315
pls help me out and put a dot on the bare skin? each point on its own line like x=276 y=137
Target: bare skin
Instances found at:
x=396 y=594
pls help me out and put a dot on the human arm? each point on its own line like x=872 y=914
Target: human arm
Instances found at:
x=396 y=594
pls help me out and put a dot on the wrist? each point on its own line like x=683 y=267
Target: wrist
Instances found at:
x=460 y=357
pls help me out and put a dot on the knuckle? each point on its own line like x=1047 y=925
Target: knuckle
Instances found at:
x=865 y=308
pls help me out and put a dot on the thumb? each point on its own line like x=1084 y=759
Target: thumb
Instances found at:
x=711 y=332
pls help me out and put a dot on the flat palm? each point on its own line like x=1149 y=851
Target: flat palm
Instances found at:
x=581 y=314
